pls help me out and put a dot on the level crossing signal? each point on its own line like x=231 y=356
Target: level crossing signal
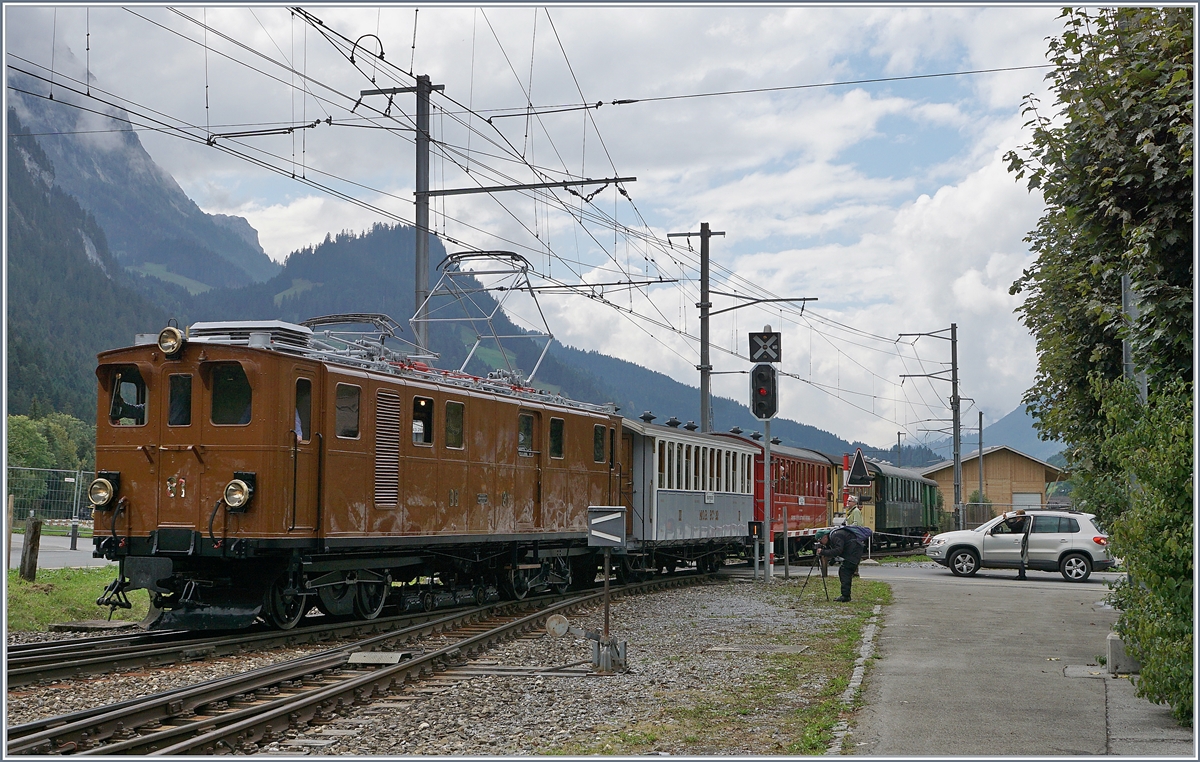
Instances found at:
x=764 y=391
x=764 y=347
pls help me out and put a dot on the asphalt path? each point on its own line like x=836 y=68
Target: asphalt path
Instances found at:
x=55 y=552
x=990 y=666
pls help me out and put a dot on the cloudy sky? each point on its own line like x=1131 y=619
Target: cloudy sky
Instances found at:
x=887 y=201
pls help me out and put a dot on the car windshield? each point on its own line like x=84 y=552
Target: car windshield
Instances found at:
x=988 y=525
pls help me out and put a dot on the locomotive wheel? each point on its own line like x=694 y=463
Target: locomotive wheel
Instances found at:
x=336 y=600
x=562 y=568
x=283 y=612
x=516 y=584
x=369 y=598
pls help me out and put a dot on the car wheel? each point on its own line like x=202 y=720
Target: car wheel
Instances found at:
x=964 y=562
x=1075 y=567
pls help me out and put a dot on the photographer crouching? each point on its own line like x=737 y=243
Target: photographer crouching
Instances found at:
x=845 y=543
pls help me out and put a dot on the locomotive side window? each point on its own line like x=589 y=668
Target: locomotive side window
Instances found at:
x=231 y=395
x=525 y=434
x=422 y=421
x=556 y=437
x=454 y=425
x=303 y=427
x=612 y=448
x=128 y=406
x=345 y=408
x=179 y=404
x=598 y=446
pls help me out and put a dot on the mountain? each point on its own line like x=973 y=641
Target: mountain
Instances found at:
x=373 y=271
x=68 y=298
x=1015 y=430
x=152 y=227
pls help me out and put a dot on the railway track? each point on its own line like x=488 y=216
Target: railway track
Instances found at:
x=236 y=713
x=56 y=660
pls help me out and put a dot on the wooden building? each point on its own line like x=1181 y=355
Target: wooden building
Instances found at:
x=1011 y=479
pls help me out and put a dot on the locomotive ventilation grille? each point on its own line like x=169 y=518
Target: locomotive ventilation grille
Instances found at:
x=283 y=335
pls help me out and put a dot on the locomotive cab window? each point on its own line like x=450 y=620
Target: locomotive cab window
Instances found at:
x=454 y=425
x=231 y=395
x=128 y=407
x=179 y=403
x=525 y=434
x=598 y=444
x=346 y=409
x=422 y=421
x=556 y=437
x=303 y=423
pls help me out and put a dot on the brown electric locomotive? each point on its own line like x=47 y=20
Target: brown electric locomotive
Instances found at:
x=258 y=469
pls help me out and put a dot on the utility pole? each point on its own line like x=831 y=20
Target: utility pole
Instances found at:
x=981 y=456
x=423 y=89
x=955 y=404
x=705 y=305
x=898 y=433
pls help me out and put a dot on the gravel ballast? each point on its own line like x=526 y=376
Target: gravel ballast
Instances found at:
x=685 y=646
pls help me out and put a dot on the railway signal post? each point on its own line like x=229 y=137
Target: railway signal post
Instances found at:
x=764 y=404
x=606 y=529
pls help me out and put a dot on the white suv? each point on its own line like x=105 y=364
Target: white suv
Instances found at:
x=1063 y=541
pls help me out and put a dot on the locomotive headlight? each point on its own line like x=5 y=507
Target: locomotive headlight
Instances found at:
x=170 y=340
x=100 y=493
x=238 y=493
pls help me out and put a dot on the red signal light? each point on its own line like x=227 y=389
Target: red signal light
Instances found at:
x=1100 y=540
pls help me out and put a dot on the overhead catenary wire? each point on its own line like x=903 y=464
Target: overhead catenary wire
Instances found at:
x=586 y=212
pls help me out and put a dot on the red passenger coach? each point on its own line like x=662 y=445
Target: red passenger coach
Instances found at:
x=801 y=482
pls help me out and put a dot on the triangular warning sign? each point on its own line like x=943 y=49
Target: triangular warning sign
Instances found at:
x=859 y=476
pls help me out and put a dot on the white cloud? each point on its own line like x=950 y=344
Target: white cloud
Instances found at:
x=806 y=183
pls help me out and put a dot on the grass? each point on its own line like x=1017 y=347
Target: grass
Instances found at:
x=65 y=595
x=765 y=704
x=58 y=531
x=161 y=272
x=901 y=559
x=299 y=286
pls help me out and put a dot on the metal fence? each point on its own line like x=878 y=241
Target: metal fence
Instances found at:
x=977 y=514
x=49 y=494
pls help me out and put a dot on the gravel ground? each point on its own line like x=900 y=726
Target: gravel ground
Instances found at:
x=668 y=635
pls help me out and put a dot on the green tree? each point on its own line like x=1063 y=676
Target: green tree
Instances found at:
x=1114 y=165
x=27 y=448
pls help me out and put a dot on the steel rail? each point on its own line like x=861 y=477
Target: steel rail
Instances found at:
x=78 y=657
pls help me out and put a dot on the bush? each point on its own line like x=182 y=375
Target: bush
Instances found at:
x=1153 y=534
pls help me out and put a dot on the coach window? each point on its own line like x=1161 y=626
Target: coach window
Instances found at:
x=231 y=395
x=556 y=437
x=303 y=424
x=128 y=406
x=598 y=448
x=662 y=459
x=346 y=408
x=454 y=425
x=422 y=421
x=670 y=465
x=720 y=485
x=679 y=466
x=179 y=406
x=687 y=467
x=525 y=434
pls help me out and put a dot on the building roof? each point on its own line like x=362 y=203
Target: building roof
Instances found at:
x=1058 y=473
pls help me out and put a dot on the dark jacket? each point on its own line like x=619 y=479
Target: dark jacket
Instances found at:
x=844 y=543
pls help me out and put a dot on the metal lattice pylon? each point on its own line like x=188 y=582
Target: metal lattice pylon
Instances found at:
x=510 y=273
